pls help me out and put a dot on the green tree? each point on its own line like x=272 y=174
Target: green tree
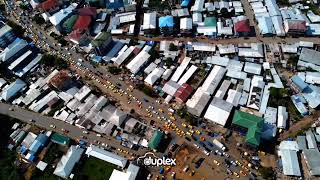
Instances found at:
x=17 y=29
x=169 y=61
x=173 y=47
x=293 y=60
x=267 y=173
x=147 y=90
x=154 y=54
x=224 y=12
x=2 y=7
x=278 y=93
x=62 y=41
x=23 y=6
x=38 y=19
x=183 y=113
x=114 y=70
x=49 y=60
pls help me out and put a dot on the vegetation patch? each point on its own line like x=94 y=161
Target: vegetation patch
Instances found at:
x=114 y=70
x=50 y=60
x=96 y=169
x=147 y=90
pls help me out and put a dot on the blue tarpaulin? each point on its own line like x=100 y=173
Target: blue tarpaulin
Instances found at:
x=166 y=21
x=185 y=3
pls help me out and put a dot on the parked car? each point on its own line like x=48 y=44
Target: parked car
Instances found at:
x=186 y=168
x=206 y=152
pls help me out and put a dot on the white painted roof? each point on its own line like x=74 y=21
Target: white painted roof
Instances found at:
x=107 y=156
x=177 y=74
x=150 y=20
x=154 y=76
x=136 y=63
x=218 y=111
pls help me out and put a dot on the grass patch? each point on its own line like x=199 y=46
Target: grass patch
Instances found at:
x=96 y=169
x=47 y=174
x=54 y=152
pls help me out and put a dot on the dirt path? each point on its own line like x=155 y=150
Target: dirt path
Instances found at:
x=302 y=124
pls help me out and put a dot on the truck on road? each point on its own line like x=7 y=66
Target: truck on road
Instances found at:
x=219 y=144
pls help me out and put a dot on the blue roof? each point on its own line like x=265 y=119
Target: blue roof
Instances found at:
x=40 y=141
x=42 y=138
x=32 y=157
x=23 y=150
x=97 y=59
x=116 y=47
x=299 y=82
x=185 y=3
x=265 y=25
x=35 y=146
x=116 y=4
x=268 y=131
x=166 y=21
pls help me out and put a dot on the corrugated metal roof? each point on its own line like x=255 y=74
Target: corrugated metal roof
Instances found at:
x=218 y=111
x=198 y=101
x=12 y=89
x=290 y=163
x=271 y=115
x=302 y=142
x=312 y=157
x=265 y=25
x=150 y=20
x=136 y=63
x=154 y=76
x=310 y=55
x=311 y=140
x=213 y=79
x=107 y=156
x=282 y=117
x=253 y=68
x=299 y=82
x=67 y=162
x=186 y=23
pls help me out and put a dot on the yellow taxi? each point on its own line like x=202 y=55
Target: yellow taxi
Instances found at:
x=236 y=174
x=243 y=173
x=216 y=162
x=191 y=173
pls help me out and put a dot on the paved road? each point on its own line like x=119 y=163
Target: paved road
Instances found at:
x=239 y=40
x=74 y=132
